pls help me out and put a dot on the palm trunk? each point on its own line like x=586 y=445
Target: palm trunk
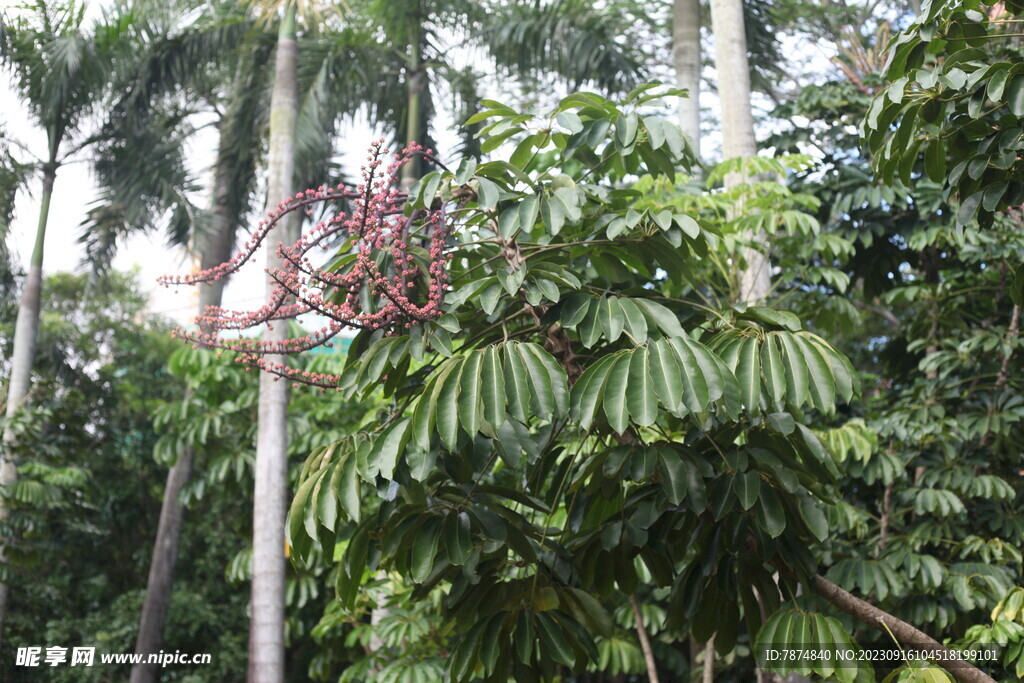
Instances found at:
x=414 y=103
x=266 y=630
x=738 y=128
x=686 y=59
x=26 y=331
x=215 y=249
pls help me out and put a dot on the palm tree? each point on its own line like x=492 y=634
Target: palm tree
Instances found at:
x=733 y=69
x=266 y=630
x=234 y=173
x=686 y=57
x=61 y=70
x=223 y=46
x=570 y=39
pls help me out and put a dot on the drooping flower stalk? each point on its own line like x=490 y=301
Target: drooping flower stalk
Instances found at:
x=383 y=287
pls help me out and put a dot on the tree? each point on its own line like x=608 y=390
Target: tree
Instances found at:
x=521 y=545
x=266 y=633
x=929 y=457
x=569 y=39
x=958 y=109
x=227 y=213
x=61 y=70
x=738 y=128
x=686 y=58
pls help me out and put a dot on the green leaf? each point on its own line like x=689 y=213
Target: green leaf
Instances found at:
x=590 y=328
x=1015 y=95
x=490 y=643
x=675 y=480
x=469 y=402
x=457 y=538
x=797 y=373
x=447 y=406
x=509 y=222
x=542 y=396
x=589 y=612
x=655 y=131
x=636 y=323
x=467 y=167
x=748 y=486
x=517 y=390
x=1017 y=288
x=785 y=319
x=969 y=207
x=424 y=549
x=557 y=646
x=441 y=341
x=492 y=385
x=574 y=309
x=770 y=512
x=528 y=210
x=557 y=376
x=640 y=398
x=697 y=394
x=386 y=448
x=615 y=394
x=748 y=373
x=935 y=161
x=431 y=182
x=773 y=370
x=524 y=638
x=814 y=517
x=663 y=317
x=612 y=318
x=552 y=215
x=822 y=386
x=570 y=203
x=464 y=656
x=570 y=121
x=588 y=391
x=666 y=375
x=626 y=129
x=524 y=151
x=493 y=142
x=487 y=194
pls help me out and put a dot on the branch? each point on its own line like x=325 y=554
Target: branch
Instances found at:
x=1012 y=331
x=952 y=662
x=889 y=316
x=645 y=643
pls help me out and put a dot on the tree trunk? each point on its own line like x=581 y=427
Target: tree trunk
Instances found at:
x=214 y=249
x=686 y=59
x=708 y=674
x=161 y=570
x=414 y=100
x=26 y=331
x=645 y=642
x=738 y=129
x=266 y=631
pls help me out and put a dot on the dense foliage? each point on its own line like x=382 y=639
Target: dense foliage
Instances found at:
x=535 y=432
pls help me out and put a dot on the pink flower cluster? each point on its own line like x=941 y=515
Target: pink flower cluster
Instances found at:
x=383 y=286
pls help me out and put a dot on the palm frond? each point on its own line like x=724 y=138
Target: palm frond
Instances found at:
x=14 y=178
x=144 y=184
x=572 y=39
x=59 y=67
